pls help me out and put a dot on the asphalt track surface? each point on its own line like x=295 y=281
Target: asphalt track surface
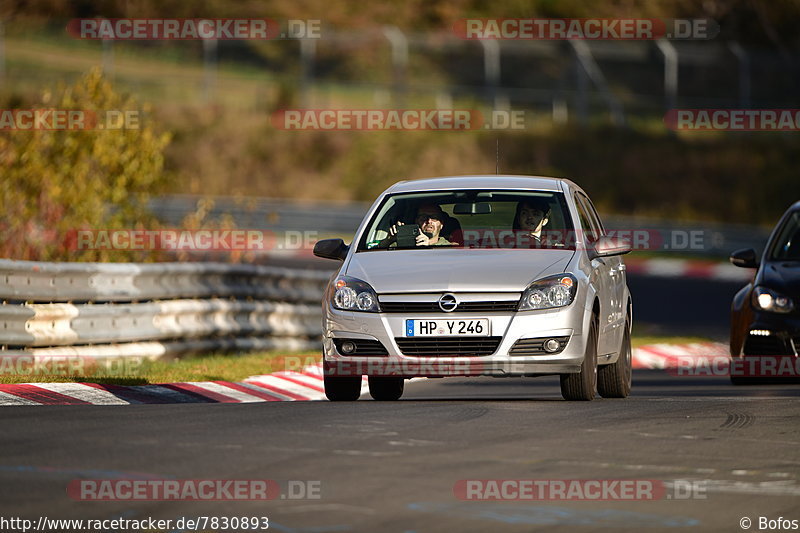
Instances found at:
x=393 y=466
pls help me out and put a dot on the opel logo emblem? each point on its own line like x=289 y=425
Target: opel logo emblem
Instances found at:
x=448 y=303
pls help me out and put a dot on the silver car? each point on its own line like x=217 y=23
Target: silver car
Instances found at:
x=478 y=276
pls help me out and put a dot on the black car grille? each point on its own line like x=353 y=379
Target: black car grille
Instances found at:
x=447 y=346
x=463 y=307
x=363 y=347
x=770 y=345
x=536 y=346
x=797 y=345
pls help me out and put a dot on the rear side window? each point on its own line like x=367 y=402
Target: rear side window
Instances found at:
x=787 y=242
x=590 y=223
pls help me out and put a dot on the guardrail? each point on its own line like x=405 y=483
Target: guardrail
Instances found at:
x=154 y=310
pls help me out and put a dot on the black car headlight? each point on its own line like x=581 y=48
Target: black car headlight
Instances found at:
x=549 y=293
x=765 y=299
x=351 y=294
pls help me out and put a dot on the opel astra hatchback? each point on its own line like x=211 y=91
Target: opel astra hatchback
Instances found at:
x=478 y=276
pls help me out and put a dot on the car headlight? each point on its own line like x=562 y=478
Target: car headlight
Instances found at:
x=549 y=292
x=766 y=299
x=351 y=294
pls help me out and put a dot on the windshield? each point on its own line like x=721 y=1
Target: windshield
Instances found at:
x=787 y=243
x=470 y=219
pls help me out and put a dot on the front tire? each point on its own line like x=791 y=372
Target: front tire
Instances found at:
x=342 y=389
x=386 y=389
x=614 y=380
x=581 y=386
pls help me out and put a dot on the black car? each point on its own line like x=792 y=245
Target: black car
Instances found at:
x=765 y=314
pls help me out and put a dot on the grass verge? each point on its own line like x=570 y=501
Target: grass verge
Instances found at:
x=200 y=368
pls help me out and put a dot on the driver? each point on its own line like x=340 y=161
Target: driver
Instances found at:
x=430 y=218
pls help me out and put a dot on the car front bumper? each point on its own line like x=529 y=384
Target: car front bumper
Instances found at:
x=783 y=337
x=387 y=328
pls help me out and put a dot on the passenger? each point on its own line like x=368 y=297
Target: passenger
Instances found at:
x=531 y=216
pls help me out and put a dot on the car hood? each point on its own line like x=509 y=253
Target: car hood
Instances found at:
x=782 y=276
x=443 y=270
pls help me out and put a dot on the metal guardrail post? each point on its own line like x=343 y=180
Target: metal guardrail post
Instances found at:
x=2 y=52
x=491 y=69
x=399 y=43
x=588 y=66
x=308 y=54
x=744 y=73
x=670 y=72
x=108 y=58
x=209 y=68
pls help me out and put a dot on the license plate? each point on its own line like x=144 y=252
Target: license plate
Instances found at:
x=476 y=327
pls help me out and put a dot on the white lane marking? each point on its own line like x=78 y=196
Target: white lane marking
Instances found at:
x=768 y=488
x=12 y=399
x=314 y=507
x=648 y=359
x=308 y=380
x=728 y=272
x=294 y=388
x=264 y=390
x=711 y=399
x=366 y=453
x=665 y=267
x=234 y=394
x=414 y=442
x=84 y=392
x=680 y=469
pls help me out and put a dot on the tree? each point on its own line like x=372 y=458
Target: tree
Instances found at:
x=56 y=182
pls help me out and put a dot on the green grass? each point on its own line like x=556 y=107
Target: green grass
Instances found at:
x=200 y=368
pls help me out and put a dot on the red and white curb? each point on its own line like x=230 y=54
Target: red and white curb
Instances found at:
x=663 y=356
x=284 y=386
x=682 y=268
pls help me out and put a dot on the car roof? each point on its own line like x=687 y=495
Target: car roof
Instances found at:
x=488 y=181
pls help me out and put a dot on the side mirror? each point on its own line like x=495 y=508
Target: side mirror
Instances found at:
x=745 y=258
x=608 y=247
x=331 y=249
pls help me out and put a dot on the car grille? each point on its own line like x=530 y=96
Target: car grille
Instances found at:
x=797 y=345
x=771 y=345
x=536 y=346
x=448 y=346
x=363 y=347
x=463 y=307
